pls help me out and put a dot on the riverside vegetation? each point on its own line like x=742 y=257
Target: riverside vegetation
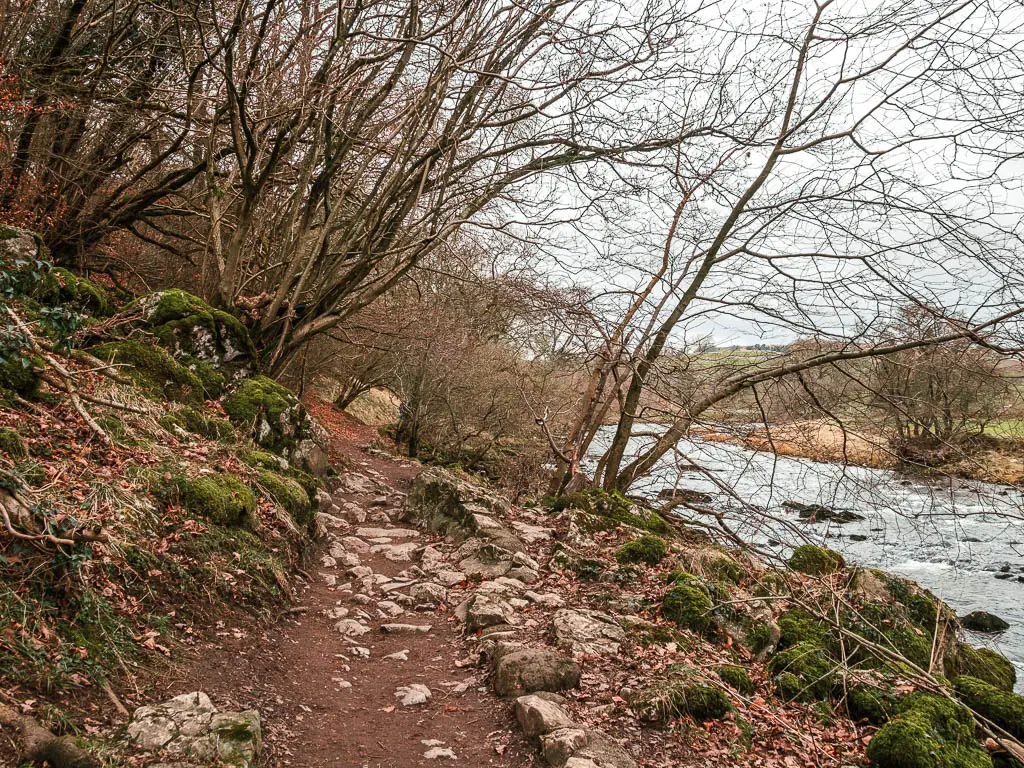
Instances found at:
x=153 y=480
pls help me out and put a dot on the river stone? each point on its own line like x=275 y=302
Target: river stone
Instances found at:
x=538 y=716
x=534 y=669
x=983 y=621
x=190 y=726
x=587 y=631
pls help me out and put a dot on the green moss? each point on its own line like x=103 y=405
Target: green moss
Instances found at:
x=12 y=444
x=815 y=561
x=677 y=694
x=804 y=672
x=264 y=460
x=688 y=605
x=737 y=678
x=271 y=412
x=870 y=702
x=219 y=497
x=649 y=549
x=213 y=380
x=1003 y=708
x=931 y=732
x=723 y=567
x=920 y=605
x=60 y=286
x=799 y=625
x=289 y=494
x=984 y=664
x=613 y=506
x=153 y=370
x=887 y=624
x=192 y=420
x=19 y=375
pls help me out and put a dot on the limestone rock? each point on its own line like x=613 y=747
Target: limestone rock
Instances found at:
x=412 y=695
x=534 y=669
x=538 y=716
x=189 y=725
x=587 y=631
x=558 y=746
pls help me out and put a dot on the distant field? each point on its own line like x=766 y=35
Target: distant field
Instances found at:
x=1005 y=428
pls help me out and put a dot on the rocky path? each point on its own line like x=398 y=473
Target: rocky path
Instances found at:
x=374 y=670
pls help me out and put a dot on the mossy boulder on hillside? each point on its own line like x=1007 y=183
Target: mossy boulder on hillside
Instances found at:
x=208 y=340
x=219 y=497
x=153 y=370
x=20 y=376
x=805 y=672
x=61 y=287
x=1003 y=708
x=688 y=604
x=737 y=678
x=677 y=693
x=815 y=561
x=277 y=421
x=874 y=703
x=983 y=664
x=930 y=732
x=649 y=549
x=611 y=506
x=289 y=494
x=192 y=420
x=12 y=444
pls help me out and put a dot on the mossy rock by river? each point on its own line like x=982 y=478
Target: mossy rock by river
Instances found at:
x=613 y=507
x=648 y=549
x=688 y=604
x=1003 y=708
x=815 y=561
x=929 y=732
x=983 y=664
x=804 y=672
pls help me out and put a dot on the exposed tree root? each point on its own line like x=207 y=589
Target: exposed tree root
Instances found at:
x=41 y=746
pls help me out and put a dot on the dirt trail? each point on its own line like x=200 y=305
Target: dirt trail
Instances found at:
x=322 y=680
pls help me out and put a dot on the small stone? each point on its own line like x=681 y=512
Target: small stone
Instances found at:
x=360 y=652
x=428 y=593
x=439 y=753
x=387 y=533
x=337 y=612
x=329 y=579
x=328 y=562
x=352 y=544
x=351 y=628
x=390 y=608
x=545 y=599
x=405 y=629
x=341 y=683
x=412 y=695
x=450 y=578
x=402 y=655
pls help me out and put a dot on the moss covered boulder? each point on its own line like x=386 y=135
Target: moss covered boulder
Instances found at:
x=874 y=703
x=679 y=693
x=688 y=604
x=153 y=370
x=190 y=420
x=983 y=664
x=277 y=420
x=613 y=507
x=805 y=672
x=930 y=732
x=19 y=375
x=815 y=561
x=649 y=549
x=213 y=343
x=1003 y=708
x=737 y=678
x=219 y=497
x=289 y=494
x=61 y=287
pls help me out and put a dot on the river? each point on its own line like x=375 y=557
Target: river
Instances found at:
x=950 y=536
